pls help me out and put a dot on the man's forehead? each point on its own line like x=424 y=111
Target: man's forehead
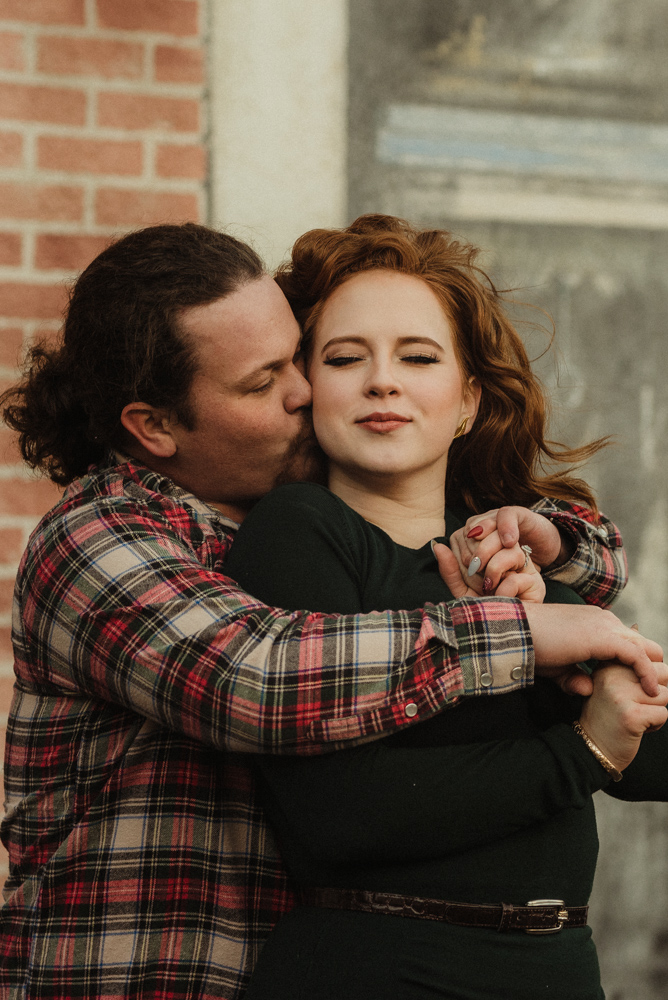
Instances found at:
x=250 y=328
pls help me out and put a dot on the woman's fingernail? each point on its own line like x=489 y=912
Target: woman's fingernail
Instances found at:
x=474 y=565
x=476 y=532
x=486 y=585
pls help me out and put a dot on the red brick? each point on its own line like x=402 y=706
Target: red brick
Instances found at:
x=178 y=65
x=12 y=544
x=6 y=683
x=6 y=649
x=28 y=497
x=10 y=249
x=9 y=447
x=174 y=17
x=11 y=346
x=45 y=202
x=44 y=11
x=6 y=595
x=119 y=206
x=133 y=111
x=181 y=161
x=25 y=300
x=92 y=56
x=58 y=105
x=11 y=149
x=94 y=156
x=11 y=50
x=70 y=253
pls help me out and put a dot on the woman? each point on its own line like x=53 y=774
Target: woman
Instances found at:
x=422 y=397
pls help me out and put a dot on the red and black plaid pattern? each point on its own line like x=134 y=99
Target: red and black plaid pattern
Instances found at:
x=141 y=864
x=597 y=570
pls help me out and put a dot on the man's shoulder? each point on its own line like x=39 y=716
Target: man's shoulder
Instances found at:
x=129 y=501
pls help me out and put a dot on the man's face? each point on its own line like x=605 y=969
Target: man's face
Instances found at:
x=247 y=398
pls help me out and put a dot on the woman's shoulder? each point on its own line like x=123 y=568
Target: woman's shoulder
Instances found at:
x=310 y=500
x=300 y=547
x=306 y=511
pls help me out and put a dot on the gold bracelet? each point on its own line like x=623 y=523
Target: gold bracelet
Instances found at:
x=598 y=754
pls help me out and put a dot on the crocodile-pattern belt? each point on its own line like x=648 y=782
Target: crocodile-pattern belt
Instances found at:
x=539 y=916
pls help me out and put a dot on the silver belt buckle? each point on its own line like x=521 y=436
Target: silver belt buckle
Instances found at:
x=562 y=916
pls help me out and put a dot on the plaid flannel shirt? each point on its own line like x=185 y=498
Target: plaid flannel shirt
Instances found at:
x=141 y=865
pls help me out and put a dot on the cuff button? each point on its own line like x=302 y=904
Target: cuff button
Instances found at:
x=516 y=673
x=486 y=680
x=411 y=710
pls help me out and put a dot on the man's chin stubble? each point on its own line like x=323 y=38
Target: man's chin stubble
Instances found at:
x=305 y=460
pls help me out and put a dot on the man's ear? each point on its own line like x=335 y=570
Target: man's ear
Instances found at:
x=151 y=427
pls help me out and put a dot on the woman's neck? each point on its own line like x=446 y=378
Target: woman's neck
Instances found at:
x=410 y=508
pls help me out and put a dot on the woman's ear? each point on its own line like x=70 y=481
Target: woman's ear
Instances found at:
x=151 y=428
x=472 y=395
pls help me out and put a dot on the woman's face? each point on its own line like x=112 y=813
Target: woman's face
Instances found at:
x=388 y=392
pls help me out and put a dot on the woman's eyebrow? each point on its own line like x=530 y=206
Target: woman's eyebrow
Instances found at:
x=400 y=340
x=351 y=339
x=421 y=340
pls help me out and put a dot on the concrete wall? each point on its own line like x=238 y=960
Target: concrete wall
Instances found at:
x=540 y=133
x=278 y=119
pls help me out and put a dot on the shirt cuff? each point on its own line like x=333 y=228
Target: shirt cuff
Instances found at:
x=494 y=643
x=588 y=538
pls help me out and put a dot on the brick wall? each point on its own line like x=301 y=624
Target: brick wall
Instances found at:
x=101 y=131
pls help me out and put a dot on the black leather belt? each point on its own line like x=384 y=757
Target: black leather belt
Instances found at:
x=539 y=916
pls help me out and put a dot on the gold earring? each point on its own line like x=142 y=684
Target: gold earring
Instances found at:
x=461 y=430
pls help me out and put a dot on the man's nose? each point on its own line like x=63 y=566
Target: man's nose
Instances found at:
x=300 y=394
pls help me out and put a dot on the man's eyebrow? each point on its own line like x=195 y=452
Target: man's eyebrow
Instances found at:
x=401 y=340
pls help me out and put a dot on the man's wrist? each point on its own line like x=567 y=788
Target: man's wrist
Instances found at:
x=494 y=645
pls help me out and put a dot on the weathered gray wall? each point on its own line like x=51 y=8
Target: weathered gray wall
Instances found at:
x=582 y=231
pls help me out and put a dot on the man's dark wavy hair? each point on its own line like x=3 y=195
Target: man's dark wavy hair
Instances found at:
x=121 y=343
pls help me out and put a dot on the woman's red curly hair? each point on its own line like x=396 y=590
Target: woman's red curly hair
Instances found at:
x=504 y=457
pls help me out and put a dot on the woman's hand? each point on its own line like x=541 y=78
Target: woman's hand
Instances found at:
x=523 y=580
x=619 y=712
x=495 y=537
x=525 y=583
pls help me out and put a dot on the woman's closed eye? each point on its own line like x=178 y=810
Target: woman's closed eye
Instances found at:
x=421 y=359
x=341 y=360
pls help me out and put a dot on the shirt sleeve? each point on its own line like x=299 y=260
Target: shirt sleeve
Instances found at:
x=597 y=569
x=380 y=803
x=115 y=602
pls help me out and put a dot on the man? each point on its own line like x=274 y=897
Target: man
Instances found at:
x=141 y=865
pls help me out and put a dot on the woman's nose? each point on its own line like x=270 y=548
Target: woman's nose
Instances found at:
x=381 y=382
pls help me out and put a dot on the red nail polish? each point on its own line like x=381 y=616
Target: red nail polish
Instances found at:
x=486 y=585
x=476 y=532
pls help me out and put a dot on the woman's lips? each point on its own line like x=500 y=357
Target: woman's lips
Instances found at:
x=383 y=423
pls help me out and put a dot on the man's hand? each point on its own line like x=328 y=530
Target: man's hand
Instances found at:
x=495 y=537
x=565 y=634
